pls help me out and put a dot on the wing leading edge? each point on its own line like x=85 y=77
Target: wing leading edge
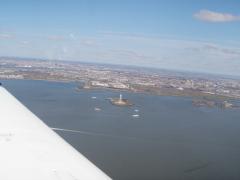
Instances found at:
x=29 y=149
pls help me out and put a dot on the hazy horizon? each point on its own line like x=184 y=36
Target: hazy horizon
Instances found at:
x=133 y=67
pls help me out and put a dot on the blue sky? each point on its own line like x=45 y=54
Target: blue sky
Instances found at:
x=200 y=36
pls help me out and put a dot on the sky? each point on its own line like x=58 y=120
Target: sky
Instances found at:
x=186 y=35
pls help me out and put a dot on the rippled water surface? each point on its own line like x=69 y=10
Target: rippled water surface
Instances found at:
x=170 y=139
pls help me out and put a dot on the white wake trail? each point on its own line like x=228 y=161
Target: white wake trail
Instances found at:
x=93 y=134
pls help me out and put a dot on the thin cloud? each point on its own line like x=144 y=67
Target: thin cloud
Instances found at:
x=211 y=16
x=214 y=50
x=122 y=34
x=130 y=55
x=6 y=36
x=88 y=42
x=56 y=38
x=72 y=36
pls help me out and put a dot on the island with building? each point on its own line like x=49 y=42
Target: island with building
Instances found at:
x=120 y=101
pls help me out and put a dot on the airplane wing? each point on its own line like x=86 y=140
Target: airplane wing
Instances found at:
x=30 y=150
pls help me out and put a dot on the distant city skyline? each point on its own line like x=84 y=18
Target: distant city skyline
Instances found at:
x=183 y=35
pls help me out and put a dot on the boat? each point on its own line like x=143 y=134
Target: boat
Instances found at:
x=135 y=115
x=97 y=109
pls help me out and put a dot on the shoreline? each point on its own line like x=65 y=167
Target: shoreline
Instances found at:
x=77 y=88
x=200 y=100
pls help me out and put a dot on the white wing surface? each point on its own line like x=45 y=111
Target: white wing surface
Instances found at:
x=30 y=150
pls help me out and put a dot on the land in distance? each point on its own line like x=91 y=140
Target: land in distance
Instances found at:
x=150 y=81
